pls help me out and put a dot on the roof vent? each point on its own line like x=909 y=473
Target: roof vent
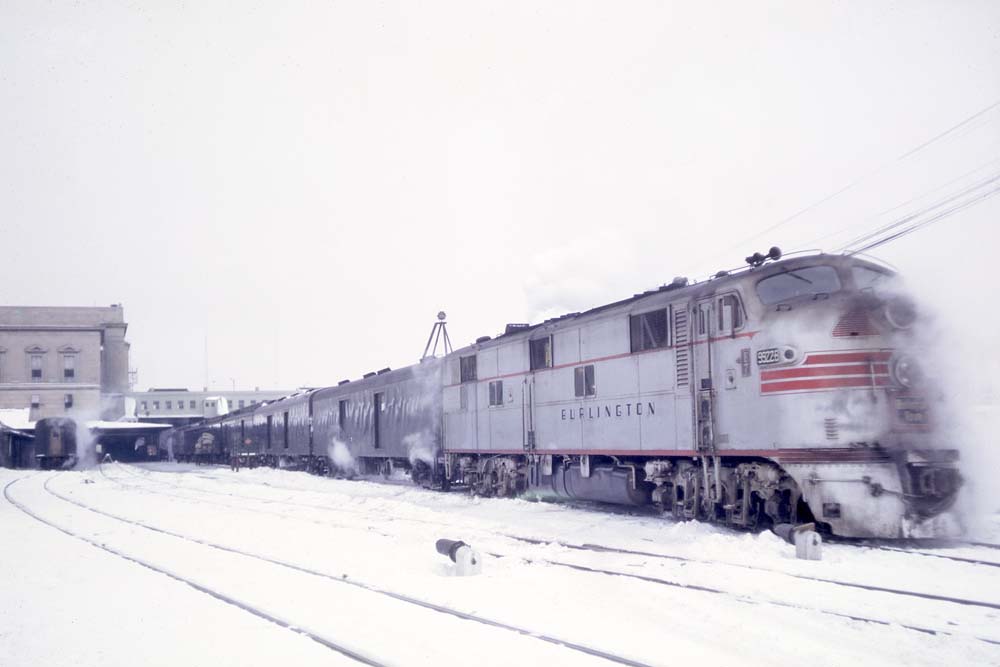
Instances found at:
x=368 y=375
x=516 y=326
x=343 y=382
x=384 y=370
x=483 y=339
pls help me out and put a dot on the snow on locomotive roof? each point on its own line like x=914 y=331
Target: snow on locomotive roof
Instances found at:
x=678 y=283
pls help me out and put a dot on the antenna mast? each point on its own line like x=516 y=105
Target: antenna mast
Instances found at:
x=439 y=334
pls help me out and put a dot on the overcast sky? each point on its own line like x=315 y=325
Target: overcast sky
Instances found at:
x=305 y=184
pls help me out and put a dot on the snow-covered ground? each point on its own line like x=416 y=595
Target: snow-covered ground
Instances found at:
x=204 y=566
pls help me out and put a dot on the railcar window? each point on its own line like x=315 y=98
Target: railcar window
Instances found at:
x=377 y=420
x=540 y=351
x=156 y=405
x=467 y=366
x=191 y=404
x=807 y=281
x=865 y=278
x=144 y=408
x=270 y=423
x=649 y=331
x=284 y=417
x=170 y=405
x=583 y=380
x=496 y=392
x=341 y=414
x=730 y=313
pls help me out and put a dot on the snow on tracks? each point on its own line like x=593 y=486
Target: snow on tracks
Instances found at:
x=624 y=614
x=504 y=641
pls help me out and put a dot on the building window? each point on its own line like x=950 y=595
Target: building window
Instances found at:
x=36 y=367
x=68 y=401
x=467 y=365
x=496 y=392
x=583 y=380
x=69 y=367
x=156 y=405
x=649 y=330
x=540 y=351
x=170 y=405
x=36 y=400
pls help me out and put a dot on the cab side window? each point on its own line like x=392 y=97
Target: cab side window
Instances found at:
x=730 y=314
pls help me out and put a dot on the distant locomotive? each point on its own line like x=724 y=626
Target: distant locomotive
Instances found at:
x=62 y=442
x=55 y=443
x=786 y=391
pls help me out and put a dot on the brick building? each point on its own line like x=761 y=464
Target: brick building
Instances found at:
x=64 y=360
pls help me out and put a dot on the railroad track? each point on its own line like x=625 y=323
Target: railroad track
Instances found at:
x=599 y=548
x=340 y=579
x=216 y=594
x=588 y=507
x=659 y=580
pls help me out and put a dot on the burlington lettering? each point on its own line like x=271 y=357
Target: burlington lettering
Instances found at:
x=605 y=411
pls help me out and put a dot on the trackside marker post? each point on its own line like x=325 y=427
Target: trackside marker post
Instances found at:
x=466 y=559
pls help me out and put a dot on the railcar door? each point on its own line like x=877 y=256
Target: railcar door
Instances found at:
x=703 y=375
x=528 y=412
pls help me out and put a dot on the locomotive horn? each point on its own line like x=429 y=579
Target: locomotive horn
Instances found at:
x=757 y=258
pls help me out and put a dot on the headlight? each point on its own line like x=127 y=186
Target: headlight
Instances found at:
x=907 y=372
x=901 y=313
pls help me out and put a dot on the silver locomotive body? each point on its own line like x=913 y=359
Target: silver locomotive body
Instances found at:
x=786 y=392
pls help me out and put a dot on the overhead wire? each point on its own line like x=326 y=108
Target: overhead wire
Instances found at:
x=855 y=182
x=816 y=242
x=993 y=178
x=923 y=223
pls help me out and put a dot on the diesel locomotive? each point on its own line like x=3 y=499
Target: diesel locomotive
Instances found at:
x=789 y=390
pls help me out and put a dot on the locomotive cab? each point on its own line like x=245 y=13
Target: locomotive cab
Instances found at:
x=841 y=361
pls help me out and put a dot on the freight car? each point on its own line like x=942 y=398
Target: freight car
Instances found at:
x=784 y=391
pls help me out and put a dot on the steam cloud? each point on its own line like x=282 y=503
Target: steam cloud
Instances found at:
x=341 y=456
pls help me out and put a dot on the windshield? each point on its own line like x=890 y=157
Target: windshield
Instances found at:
x=865 y=278
x=808 y=281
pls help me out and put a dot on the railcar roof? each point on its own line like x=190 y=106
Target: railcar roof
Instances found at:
x=692 y=288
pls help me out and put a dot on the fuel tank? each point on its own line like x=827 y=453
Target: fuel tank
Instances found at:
x=606 y=484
